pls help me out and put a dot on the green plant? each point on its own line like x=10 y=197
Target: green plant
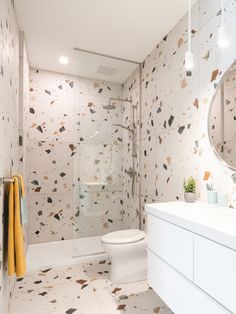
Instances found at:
x=189 y=185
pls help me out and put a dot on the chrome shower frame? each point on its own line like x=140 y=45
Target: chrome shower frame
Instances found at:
x=139 y=108
x=131 y=171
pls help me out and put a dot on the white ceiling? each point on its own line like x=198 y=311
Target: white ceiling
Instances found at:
x=127 y=29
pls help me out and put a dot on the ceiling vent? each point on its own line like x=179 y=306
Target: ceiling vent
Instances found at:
x=103 y=69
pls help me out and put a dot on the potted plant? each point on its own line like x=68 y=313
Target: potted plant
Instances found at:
x=189 y=190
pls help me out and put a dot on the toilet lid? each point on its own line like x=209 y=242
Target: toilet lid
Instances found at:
x=123 y=236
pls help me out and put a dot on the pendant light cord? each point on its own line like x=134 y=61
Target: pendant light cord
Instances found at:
x=222 y=13
x=189 y=25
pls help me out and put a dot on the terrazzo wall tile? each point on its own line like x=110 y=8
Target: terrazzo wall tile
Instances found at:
x=9 y=70
x=54 y=172
x=51 y=216
x=174 y=140
x=51 y=151
x=96 y=117
x=99 y=88
x=208 y=10
x=51 y=106
x=10 y=130
x=99 y=213
x=23 y=101
x=97 y=194
x=101 y=163
x=23 y=116
x=73 y=149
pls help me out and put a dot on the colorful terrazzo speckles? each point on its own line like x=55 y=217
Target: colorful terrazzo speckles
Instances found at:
x=83 y=289
x=174 y=141
x=75 y=157
x=11 y=132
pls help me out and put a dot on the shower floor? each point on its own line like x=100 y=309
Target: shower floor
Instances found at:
x=82 y=289
x=59 y=253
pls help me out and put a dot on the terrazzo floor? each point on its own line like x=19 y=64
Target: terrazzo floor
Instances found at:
x=82 y=289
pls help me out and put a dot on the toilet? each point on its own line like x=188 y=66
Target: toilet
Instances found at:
x=127 y=249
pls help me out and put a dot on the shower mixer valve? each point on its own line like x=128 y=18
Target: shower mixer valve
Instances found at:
x=131 y=172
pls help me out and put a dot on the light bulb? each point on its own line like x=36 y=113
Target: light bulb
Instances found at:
x=189 y=60
x=223 y=40
x=63 y=60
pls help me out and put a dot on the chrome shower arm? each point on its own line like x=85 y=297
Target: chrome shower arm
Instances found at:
x=123 y=127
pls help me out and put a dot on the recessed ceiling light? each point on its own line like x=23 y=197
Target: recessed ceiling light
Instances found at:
x=63 y=60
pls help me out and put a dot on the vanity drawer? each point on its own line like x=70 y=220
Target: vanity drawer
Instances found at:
x=180 y=294
x=172 y=243
x=215 y=271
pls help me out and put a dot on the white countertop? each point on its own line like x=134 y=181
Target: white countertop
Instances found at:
x=215 y=223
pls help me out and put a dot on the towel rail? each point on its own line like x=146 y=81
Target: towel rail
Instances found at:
x=6 y=180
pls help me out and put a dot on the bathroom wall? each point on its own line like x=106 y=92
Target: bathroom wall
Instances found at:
x=75 y=157
x=174 y=135
x=23 y=104
x=11 y=161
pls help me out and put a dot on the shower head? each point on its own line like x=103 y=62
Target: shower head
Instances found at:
x=123 y=127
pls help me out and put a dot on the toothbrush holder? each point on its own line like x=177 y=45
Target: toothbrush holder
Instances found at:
x=212 y=197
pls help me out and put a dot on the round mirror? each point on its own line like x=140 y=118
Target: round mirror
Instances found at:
x=222 y=119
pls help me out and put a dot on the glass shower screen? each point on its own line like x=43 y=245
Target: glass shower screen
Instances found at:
x=98 y=164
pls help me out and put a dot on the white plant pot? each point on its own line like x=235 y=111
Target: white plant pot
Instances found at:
x=189 y=197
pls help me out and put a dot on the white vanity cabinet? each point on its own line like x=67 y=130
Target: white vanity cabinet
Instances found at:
x=192 y=257
x=173 y=244
x=215 y=271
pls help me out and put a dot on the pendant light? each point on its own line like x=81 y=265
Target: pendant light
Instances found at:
x=223 y=40
x=189 y=59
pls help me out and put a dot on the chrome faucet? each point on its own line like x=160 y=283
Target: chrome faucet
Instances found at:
x=233 y=176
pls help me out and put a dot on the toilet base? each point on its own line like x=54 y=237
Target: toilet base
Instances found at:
x=128 y=259
x=124 y=270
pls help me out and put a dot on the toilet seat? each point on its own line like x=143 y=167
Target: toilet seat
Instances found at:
x=123 y=236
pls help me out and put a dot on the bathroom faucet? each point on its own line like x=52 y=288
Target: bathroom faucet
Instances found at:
x=233 y=176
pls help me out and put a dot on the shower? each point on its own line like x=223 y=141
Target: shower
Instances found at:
x=134 y=150
x=123 y=127
x=131 y=171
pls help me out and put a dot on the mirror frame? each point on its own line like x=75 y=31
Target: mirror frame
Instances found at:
x=209 y=116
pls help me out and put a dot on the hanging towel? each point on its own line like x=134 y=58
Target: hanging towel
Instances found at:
x=22 y=185
x=11 y=253
x=23 y=207
x=16 y=252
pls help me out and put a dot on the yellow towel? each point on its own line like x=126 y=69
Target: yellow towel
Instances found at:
x=11 y=253
x=22 y=185
x=16 y=252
